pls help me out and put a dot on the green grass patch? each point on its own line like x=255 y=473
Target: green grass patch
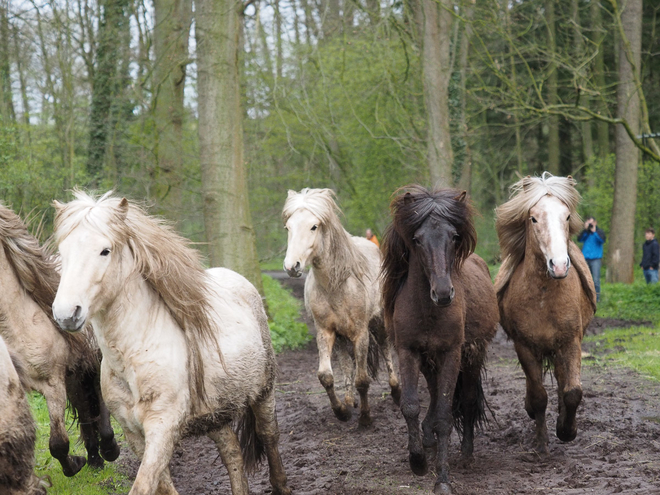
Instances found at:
x=286 y=329
x=636 y=347
x=88 y=481
x=272 y=264
x=636 y=302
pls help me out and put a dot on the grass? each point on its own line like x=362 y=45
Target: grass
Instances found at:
x=88 y=481
x=635 y=302
x=286 y=329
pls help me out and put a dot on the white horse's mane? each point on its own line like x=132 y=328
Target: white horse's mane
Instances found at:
x=344 y=257
x=512 y=217
x=163 y=258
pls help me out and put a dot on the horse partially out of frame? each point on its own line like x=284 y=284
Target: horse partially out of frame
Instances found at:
x=544 y=305
x=342 y=293
x=17 y=431
x=58 y=365
x=441 y=311
x=185 y=350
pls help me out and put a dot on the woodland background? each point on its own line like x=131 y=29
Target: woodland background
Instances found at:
x=211 y=110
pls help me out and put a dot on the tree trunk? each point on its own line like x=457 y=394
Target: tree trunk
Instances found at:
x=228 y=225
x=435 y=64
x=553 y=120
x=171 y=31
x=466 y=172
x=6 y=102
x=587 y=141
x=622 y=237
x=602 y=128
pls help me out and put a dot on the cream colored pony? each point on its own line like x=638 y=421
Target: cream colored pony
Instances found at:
x=185 y=351
x=342 y=293
x=17 y=433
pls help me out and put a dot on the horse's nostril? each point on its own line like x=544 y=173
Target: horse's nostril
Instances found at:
x=551 y=263
x=452 y=293
x=297 y=266
x=434 y=296
x=76 y=313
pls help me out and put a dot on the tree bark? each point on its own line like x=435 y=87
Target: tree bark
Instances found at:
x=228 y=225
x=622 y=238
x=435 y=65
x=465 y=181
x=171 y=32
x=6 y=102
x=587 y=138
x=553 y=120
x=602 y=128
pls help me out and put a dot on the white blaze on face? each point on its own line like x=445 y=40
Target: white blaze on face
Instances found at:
x=302 y=232
x=550 y=220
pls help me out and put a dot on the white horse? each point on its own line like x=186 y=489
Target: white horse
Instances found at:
x=185 y=351
x=342 y=293
x=17 y=432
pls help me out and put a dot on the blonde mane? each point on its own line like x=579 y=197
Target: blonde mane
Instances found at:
x=162 y=257
x=343 y=257
x=36 y=271
x=512 y=217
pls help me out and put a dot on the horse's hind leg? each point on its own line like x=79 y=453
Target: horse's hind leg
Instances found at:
x=567 y=371
x=59 y=439
x=230 y=452
x=109 y=447
x=471 y=403
x=269 y=432
x=409 y=362
x=536 y=399
x=362 y=379
x=325 y=340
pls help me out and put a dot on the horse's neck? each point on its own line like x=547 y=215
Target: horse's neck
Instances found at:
x=16 y=305
x=332 y=263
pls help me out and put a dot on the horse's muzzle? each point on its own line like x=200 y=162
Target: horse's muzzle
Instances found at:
x=73 y=323
x=559 y=271
x=443 y=302
x=295 y=271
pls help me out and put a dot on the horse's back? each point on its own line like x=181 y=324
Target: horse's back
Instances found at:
x=481 y=310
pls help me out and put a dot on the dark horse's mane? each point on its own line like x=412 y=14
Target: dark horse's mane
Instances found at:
x=411 y=207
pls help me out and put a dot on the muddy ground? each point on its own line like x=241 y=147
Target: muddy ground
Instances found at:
x=617 y=449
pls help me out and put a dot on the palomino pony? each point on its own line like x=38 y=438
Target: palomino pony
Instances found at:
x=58 y=365
x=544 y=305
x=17 y=432
x=185 y=350
x=342 y=293
x=441 y=311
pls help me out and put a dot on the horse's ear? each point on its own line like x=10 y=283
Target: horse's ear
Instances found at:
x=407 y=198
x=57 y=205
x=123 y=208
x=569 y=177
x=527 y=182
x=290 y=193
x=461 y=197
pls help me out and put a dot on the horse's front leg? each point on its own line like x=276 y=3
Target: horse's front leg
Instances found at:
x=448 y=366
x=568 y=362
x=348 y=370
x=325 y=340
x=395 y=386
x=536 y=399
x=59 y=439
x=428 y=440
x=161 y=432
x=362 y=378
x=409 y=367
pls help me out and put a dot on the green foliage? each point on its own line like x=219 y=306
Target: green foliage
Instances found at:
x=286 y=329
x=88 y=481
x=637 y=348
x=635 y=302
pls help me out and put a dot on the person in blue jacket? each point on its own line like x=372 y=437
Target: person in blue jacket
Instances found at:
x=650 y=257
x=593 y=239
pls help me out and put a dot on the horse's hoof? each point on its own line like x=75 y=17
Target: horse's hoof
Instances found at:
x=365 y=420
x=281 y=490
x=76 y=463
x=396 y=395
x=566 y=435
x=111 y=452
x=466 y=461
x=95 y=461
x=442 y=488
x=418 y=464
x=343 y=413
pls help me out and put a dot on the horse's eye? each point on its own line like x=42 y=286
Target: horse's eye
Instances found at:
x=314 y=228
x=457 y=238
x=568 y=218
x=534 y=220
x=105 y=252
x=416 y=241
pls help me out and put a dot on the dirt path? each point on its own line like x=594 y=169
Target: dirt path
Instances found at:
x=617 y=449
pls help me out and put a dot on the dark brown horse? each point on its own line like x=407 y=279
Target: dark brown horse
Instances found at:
x=441 y=312
x=545 y=306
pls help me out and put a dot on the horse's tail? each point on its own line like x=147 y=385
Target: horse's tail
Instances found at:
x=475 y=408
x=252 y=447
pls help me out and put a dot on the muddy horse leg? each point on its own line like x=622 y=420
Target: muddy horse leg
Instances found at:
x=59 y=439
x=82 y=397
x=348 y=370
x=362 y=379
x=428 y=439
x=448 y=366
x=409 y=367
x=471 y=404
x=269 y=432
x=109 y=447
x=325 y=340
x=230 y=452
x=395 y=387
x=536 y=399
x=568 y=361
x=159 y=439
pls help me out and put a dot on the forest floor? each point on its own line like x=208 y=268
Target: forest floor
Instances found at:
x=617 y=449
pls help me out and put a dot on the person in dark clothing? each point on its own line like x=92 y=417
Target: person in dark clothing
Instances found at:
x=650 y=257
x=593 y=239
